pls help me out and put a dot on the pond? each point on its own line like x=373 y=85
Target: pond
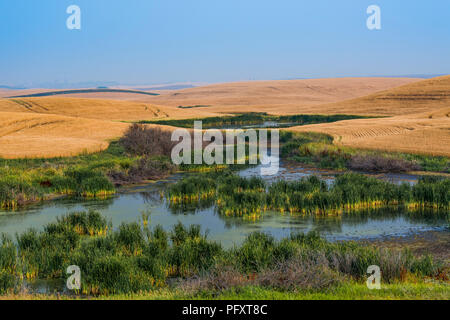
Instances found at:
x=128 y=205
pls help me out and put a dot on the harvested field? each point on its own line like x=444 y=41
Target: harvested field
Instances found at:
x=421 y=121
x=277 y=97
x=425 y=133
x=39 y=135
x=93 y=108
x=66 y=125
x=34 y=135
x=418 y=97
x=274 y=97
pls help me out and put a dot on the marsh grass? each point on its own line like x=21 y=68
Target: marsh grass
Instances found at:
x=303 y=262
x=10 y=275
x=250 y=198
x=133 y=259
x=24 y=181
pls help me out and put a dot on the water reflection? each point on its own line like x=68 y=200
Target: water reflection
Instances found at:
x=128 y=205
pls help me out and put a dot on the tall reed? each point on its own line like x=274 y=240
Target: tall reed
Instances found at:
x=133 y=258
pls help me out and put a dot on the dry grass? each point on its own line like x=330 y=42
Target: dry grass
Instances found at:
x=39 y=135
x=34 y=135
x=421 y=121
x=414 y=98
x=425 y=133
x=277 y=97
x=116 y=110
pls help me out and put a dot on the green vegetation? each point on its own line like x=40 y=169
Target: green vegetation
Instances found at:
x=347 y=291
x=88 y=175
x=9 y=265
x=318 y=149
x=411 y=290
x=143 y=154
x=237 y=196
x=255 y=118
x=136 y=259
x=194 y=106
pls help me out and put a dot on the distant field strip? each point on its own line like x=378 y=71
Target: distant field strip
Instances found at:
x=256 y=119
x=76 y=91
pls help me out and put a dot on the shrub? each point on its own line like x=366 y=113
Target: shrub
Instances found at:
x=381 y=164
x=143 y=140
x=300 y=273
x=219 y=278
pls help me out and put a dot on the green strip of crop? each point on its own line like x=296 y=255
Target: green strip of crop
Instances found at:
x=254 y=118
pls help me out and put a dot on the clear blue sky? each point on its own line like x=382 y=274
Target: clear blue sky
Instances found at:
x=156 y=41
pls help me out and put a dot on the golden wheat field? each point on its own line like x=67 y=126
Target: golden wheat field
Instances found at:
x=278 y=97
x=40 y=135
x=426 y=133
x=34 y=135
x=421 y=123
x=275 y=97
x=416 y=113
x=115 y=110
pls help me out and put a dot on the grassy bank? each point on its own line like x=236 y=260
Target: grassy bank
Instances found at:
x=24 y=181
x=137 y=259
x=318 y=149
x=418 y=290
x=142 y=154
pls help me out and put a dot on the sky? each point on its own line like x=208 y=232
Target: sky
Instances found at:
x=165 y=41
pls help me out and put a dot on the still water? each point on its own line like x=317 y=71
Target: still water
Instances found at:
x=128 y=205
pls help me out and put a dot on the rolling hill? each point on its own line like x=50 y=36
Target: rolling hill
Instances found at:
x=417 y=113
x=421 y=121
